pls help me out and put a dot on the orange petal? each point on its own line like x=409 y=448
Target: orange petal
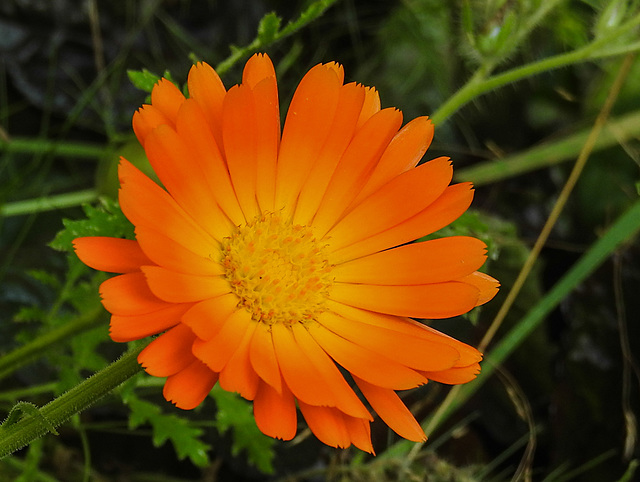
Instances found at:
x=129 y=294
x=257 y=68
x=403 y=153
x=275 y=412
x=238 y=375
x=147 y=204
x=169 y=254
x=302 y=377
x=177 y=287
x=439 y=300
x=455 y=376
x=169 y=353
x=113 y=255
x=306 y=127
x=355 y=167
x=410 y=351
x=467 y=354
x=208 y=91
x=359 y=432
x=181 y=175
x=263 y=357
x=346 y=400
x=337 y=69
x=192 y=127
x=145 y=119
x=370 y=107
x=240 y=145
x=432 y=261
x=267 y=111
x=443 y=211
x=189 y=387
x=400 y=199
x=327 y=424
x=217 y=351
x=167 y=98
x=342 y=130
x=487 y=285
x=129 y=328
x=207 y=317
x=392 y=411
x=365 y=363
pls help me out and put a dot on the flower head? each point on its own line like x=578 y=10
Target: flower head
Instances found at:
x=269 y=260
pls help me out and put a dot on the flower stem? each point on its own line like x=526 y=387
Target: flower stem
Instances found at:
x=480 y=84
x=43 y=146
x=35 y=423
x=48 y=203
x=20 y=356
x=617 y=131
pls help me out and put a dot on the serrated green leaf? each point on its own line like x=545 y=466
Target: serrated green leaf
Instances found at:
x=143 y=79
x=105 y=220
x=184 y=437
x=268 y=28
x=141 y=411
x=236 y=413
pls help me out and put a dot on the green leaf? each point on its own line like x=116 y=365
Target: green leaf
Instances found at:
x=180 y=431
x=30 y=313
x=44 y=277
x=235 y=412
x=268 y=28
x=143 y=79
x=105 y=220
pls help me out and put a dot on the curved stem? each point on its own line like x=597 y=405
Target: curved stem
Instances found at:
x=477 y=86
x=31 y=426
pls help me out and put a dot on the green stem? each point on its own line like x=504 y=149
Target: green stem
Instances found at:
x=616 y=131
x=32 y=426
x=48 y=203
x=42 y=146
x=27 y=392
x=312 y=12
x=478 y=86
x=23 y=355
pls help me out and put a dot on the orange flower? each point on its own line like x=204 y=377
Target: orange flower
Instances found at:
x=268 y=261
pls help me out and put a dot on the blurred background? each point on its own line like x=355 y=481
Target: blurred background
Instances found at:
x=563 y=405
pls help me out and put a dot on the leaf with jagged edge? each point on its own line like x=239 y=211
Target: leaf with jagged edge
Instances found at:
x=106 y=219
x=236 y=413
x=184 y=437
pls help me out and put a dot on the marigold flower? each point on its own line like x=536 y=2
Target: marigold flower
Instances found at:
x=268 y=260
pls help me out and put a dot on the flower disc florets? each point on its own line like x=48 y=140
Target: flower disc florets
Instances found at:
x=278 y=270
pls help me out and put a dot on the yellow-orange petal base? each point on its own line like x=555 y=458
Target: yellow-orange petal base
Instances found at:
x=271 y=260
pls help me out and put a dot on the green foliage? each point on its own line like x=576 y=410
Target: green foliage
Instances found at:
x=143 y=79
x=236 y=413
x=104 y=220
x=268 y=28
x=478 y=225
x=269 y=31
x=185 y=438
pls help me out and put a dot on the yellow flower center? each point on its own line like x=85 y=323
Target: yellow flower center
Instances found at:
x=279 y=270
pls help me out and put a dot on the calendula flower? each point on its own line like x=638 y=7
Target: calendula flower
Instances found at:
x=270 y=261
